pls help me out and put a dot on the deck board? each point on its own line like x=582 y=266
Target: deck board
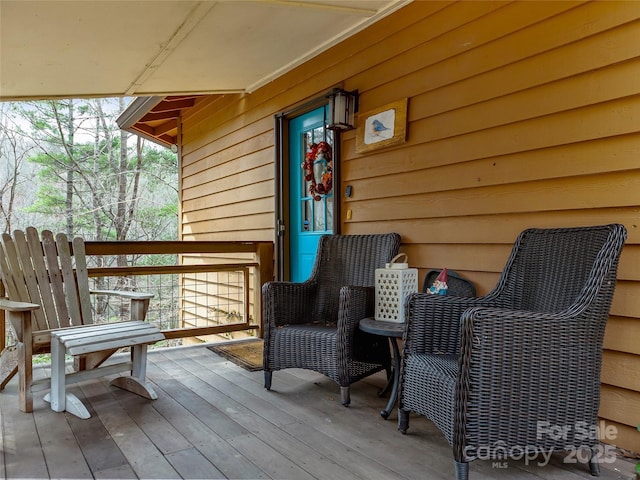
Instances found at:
x=206 y=427
x=145 y=458
x=59 y=444
x=24 y=456
x=212 y=419
x=361 y=436
x=190 y=463
x=96 y=443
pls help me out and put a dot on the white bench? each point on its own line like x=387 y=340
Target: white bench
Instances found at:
x=96 y=338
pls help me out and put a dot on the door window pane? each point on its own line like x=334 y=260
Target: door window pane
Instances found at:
x=329 y=211
x=317 y=215
x=307 y=215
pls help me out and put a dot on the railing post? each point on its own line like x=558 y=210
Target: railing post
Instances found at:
x=264 y=252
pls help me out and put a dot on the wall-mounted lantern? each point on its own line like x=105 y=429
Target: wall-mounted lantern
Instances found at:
x=342 y=110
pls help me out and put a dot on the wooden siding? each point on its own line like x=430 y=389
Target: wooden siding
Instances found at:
x=521 y=114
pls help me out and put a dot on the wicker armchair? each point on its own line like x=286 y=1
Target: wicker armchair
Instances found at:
x=496 y=374
x=314 y=324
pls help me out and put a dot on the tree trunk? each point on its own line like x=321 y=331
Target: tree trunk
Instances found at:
x=70 y=170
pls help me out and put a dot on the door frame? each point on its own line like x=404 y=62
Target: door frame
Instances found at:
x=281 y=179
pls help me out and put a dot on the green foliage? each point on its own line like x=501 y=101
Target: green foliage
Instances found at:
x=82 y=179
x=48 y=201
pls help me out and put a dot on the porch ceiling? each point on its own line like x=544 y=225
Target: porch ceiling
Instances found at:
x=64 y=49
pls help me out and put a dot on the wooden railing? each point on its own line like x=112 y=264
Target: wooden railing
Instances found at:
x=194 y=257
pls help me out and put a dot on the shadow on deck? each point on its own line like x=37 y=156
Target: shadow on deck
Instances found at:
x=215 y=420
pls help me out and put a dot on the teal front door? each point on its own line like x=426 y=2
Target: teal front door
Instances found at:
x=309 y=217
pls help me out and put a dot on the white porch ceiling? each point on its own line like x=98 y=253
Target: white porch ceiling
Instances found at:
x=95 y=48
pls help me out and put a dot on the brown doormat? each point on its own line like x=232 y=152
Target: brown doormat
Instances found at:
x=245 y=353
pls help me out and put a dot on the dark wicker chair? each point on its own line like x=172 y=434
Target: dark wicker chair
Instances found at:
x=458 y=286
x=495 y=373
x=314 y=324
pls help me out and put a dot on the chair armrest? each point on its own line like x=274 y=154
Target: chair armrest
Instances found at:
x=19 y=316
x=287 y=303
x=139 y=301
x=124 y=294
x=546 y=364
x=356 y=303
x=527 y=332
x=433 y=322
x=12 y=306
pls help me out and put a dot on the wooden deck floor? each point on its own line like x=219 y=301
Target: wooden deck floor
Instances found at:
x=215 y=420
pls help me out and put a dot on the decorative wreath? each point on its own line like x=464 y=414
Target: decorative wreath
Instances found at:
x=318 y=151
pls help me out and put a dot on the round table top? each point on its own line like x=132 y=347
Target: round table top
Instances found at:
x=377 y=327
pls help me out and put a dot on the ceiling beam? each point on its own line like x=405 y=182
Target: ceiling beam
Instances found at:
x=180 y=97
x=165 y=127
x=173 y=105
x=144 y=128
x=155 y=116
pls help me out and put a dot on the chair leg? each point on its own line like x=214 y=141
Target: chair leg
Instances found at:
x=25 y=377
x=345 y=396
x=594 y=466
x=25 y=361
x=462 y=470
x=267 y=379
x=403 y=420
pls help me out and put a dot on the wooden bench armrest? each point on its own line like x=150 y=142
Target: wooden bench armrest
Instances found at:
x=124 y=294
x=12 y=306
x=139 y=301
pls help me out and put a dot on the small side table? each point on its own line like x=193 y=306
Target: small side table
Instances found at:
x=392 y=331
x=95 y=338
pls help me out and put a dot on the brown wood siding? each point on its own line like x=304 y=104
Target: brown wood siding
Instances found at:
x=520 y=114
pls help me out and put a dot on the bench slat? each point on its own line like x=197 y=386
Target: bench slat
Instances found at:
x=102 y=327
x=76 y=337
x=113 y=344
x=95 y=338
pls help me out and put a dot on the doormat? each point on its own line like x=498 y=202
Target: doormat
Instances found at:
x=246 y=353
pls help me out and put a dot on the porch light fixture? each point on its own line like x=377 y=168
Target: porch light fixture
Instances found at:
x=342 y=110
